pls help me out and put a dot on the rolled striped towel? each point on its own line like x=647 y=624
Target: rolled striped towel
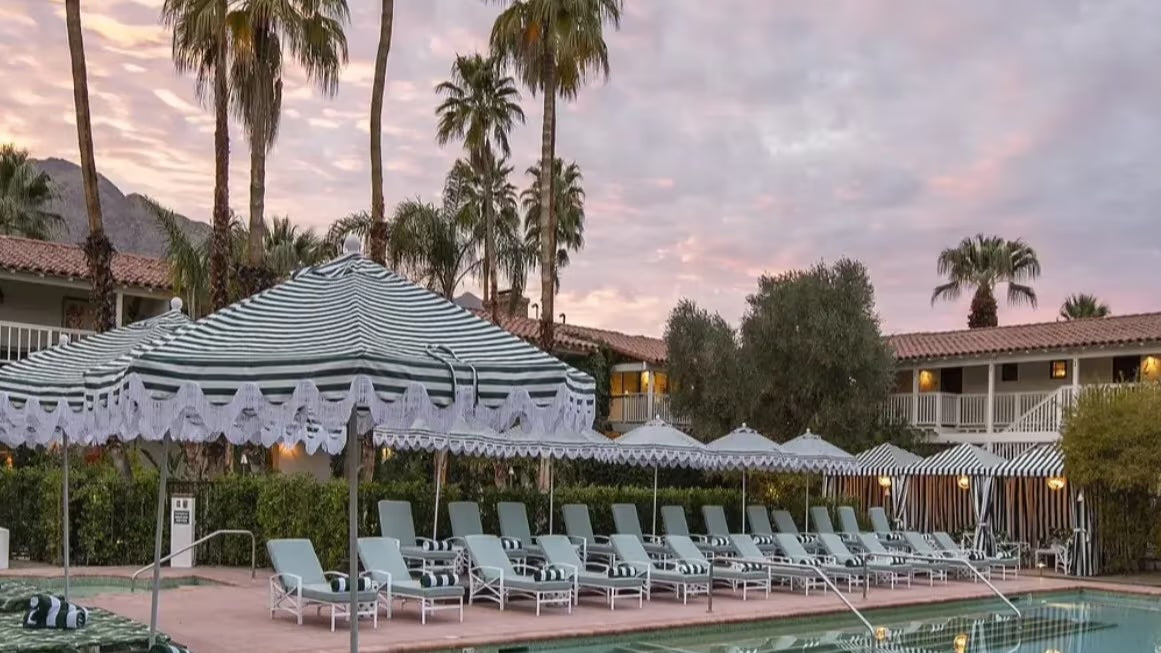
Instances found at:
x=438 y=579
x=805 y=539
x=813 y=562
x=751 y=566
x=436 y=545
x=167 y=648
x=762 y=540
x=890 y=537
x=692 y=568
x=622 y=571
x=854 y=561
x=549 y=574
x=716 y=540
x=46 y=611
x=510 y=543
x=339 y=584
x=975 y=555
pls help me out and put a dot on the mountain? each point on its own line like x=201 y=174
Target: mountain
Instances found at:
x=128 y=220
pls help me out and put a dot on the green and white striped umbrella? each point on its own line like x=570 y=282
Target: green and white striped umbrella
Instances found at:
x=42 y=397
x=291 y=364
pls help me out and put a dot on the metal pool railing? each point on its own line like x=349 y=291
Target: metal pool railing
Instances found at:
x=253 y=553
x=970 y=567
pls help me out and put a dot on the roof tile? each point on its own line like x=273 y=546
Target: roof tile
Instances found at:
x=67 y=260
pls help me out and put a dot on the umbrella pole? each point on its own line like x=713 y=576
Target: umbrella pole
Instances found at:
x=157 y=537
x=551 y=495
x=439 y=458
x=806 y=511
x=655 y=468
x=743 y=501
x=353 y=527
x=65 y=507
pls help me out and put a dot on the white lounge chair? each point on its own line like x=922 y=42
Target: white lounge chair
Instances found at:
x=386 y=565
x=493 y=577
x=598 y=577
x=299 y=582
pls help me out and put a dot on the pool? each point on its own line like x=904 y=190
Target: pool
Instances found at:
x=1075 y=622
x=87 y=586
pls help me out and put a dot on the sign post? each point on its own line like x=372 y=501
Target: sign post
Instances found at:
x=182 y=522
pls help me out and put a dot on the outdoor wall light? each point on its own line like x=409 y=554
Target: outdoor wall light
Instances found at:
x=881 y=633
x=1055 y=483
x=960 y=642
x=963 y=482
x=388 y=454
x=884 y=482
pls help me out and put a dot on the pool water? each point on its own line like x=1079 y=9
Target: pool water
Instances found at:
x=1078 y=622
x=89 y=586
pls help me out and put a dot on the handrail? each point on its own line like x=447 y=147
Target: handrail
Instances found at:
x=225 y=531
x=971 y=567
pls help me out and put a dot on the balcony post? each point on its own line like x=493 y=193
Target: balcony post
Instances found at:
x=649 y=396
x=120 y=308
x=915 y=397
x=990 y=402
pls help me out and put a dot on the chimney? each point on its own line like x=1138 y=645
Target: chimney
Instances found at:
x=512 y=304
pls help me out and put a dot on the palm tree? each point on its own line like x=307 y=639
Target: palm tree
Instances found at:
x=480 y=106
x=568 y=207
x=979 y=263
x=200 y=43
x=1083 y=305
x=25 y=194
x=555 y=47
x=377 y=230
x=312 y=32
x=287 y=248
x=189 y=261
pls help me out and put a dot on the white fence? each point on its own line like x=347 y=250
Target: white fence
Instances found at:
x=18 y=339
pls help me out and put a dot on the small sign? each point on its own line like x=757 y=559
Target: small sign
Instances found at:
x=181 y=517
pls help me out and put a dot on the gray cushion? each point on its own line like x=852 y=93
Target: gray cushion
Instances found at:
x=324 y=593
x=596 y=579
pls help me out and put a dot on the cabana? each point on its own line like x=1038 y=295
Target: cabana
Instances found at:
x=881 y=479
x=954 y=491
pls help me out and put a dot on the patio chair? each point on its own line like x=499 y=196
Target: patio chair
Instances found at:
x=493 y=577
x=716 y=524
x=746 y=550
x=881 y=526
x=386 y=564
x=395 y=521
x=299 y=582
x=758 y=519
x=579 y=527
x=514 y=526
x=920 y=546
x=686 y=579
x=465 y=521
x=848 y=521
x=820 y=520
x=933 y=570
x=613 y=581
x=1005 y=563
x=731 y=572
x=793 y=551
x=784 y=525
x=626 y=522
x=673 y=520
x=885 y=568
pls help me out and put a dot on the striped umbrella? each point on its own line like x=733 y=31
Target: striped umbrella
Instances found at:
x=817 y=455
x=657 y=444
x=43 y=401
x=746 y=449
x=337 y=350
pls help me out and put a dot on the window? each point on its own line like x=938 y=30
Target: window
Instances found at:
x=1126 y=369
x=660 y=383
x=625 y=383
x=1059 y=369
x=1009 y=372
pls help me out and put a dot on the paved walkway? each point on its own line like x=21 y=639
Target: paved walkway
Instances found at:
x=234 y=616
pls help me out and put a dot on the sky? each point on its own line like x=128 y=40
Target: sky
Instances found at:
x=732 y=139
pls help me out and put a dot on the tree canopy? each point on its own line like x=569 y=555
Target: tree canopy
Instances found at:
x=1112 y=438
x=808 y=354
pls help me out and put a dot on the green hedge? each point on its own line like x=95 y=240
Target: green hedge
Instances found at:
x=112 y=519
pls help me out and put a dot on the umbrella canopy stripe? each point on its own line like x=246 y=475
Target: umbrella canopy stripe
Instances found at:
x=817 y=455
x=745 y=448
x=886 y=460
x=961 y=460
x=1043 y=461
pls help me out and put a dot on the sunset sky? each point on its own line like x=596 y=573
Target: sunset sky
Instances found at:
x=733 y=138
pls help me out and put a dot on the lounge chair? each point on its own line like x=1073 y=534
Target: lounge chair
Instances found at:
x=1004 y=563
x=884 y=568
x=465 y=521
x=784 y=525
x=746 y=550
x=626 y=522
x=395 y=521
x=673 y=520
x=559 y=551
x=579 y=527
x=716 y=524
x=493 y=577
x=820 y=520
x=882 y=528
x=514 y=526
x=731 y=572
x=385 y=563
x=793 y=551
x=299 y=581
x=685 y=579
x=848 y=521
x=921 y=547
x=758 y=519
x=932 y=569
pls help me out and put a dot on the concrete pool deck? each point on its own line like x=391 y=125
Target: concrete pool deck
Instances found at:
x=233 y=615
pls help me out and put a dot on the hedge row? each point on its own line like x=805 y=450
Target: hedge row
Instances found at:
x=112 y=519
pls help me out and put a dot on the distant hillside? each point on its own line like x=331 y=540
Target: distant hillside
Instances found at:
x=128 y=221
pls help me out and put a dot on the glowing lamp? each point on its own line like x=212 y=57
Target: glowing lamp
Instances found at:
x=963 y=482
x=1056 y=483
x=884 y=482
x=881 y=633
x=388 y=454
x=960 y=642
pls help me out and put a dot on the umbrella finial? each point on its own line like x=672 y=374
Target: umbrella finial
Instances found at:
x=175 y=304
x=64 y=339
x=353 y=244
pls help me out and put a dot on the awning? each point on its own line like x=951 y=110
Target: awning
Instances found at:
x=960 y=460
x=886 y=460
x=1043 y=461
x=818 y=455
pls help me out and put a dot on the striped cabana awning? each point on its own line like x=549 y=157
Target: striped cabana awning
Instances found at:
x=293 y=363
x=1043 y=461
x=42 y=397
x=817 y=455
x=885 y=460
x=960 y=460
x=745 y=448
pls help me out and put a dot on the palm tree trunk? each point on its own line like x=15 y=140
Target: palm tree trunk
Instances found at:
x=378 y=236
x=257 y=196
x=547 y=225
x=490 y=275
x=983 y=308
x=220 y=243
x=98 y=249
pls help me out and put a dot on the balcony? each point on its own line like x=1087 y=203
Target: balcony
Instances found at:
x=629 y=410
x=1025 y=412
x=19 y=339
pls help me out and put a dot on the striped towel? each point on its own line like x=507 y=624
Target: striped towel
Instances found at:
x=46 y=611
x=692 y=569
x=854 y=561
x=438 y=579
x=975 y=555
x=510 y=543
x=805 y=539
x=750 y=566
x=340 y=584
x=622 y=571
x=436 y=545
x=890 y=537
x=762 y=540
x=716 y=540
x=167 y=648
x=549 y=574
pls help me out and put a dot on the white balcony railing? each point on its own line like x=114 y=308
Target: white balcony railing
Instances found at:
x=18 y=339
x=634 y=409
x=968 y=412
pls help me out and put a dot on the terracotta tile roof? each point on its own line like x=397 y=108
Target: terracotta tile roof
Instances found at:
x=1117 y=330
x=580 y=339
x=67 y=260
